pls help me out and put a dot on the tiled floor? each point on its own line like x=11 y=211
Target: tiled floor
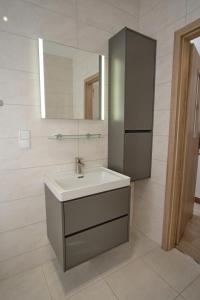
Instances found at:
x=190 y=242
x=138 y=270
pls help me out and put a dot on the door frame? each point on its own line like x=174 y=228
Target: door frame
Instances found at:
x=177 y=139
x=88 y=95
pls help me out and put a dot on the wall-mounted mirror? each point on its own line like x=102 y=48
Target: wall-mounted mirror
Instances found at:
x=71 y=82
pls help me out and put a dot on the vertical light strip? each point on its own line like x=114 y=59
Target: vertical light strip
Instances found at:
x=102 y=86
x=41 y=70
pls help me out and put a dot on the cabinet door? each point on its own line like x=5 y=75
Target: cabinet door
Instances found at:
x=137 y=155
x=89 y=243
x=139 y=81
x=92 y=210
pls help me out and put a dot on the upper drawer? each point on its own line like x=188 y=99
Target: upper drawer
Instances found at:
x=89 y=211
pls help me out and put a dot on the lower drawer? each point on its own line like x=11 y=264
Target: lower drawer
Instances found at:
x=87 y=244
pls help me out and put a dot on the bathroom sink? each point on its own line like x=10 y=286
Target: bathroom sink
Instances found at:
x=67 y=186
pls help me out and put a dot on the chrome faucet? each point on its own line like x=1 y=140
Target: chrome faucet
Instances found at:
x=78 y=165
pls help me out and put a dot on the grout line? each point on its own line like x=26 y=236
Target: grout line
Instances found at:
x=76 y=20
x=43 y=221
x=18 y=70
x=163 y=83
x=159 y=275
x=25 y=252
x=22 y=227
x=128 y=262
x=148 y=11
x=46 y=282
x=36 y=75
x=198 y=277
x=115 y=295
x=173 y=288
x=19 y=104
x=32 y=3
x=136 y=15
x=166 y=25
x=53 y=165
x=192 y=11
x=22 y=198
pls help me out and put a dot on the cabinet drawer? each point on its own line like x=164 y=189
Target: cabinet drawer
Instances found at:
x=87 y=244
x=92 y=210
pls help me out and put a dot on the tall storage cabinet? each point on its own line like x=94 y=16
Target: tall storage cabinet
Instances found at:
x=132 y=59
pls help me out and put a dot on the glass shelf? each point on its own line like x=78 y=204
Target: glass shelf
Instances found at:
x=61 y=137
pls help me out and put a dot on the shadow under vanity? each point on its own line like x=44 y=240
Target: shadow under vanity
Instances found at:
x=88 y=213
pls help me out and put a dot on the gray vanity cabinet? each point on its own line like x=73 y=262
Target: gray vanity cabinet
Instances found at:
x=82 y=228
x=131 y=103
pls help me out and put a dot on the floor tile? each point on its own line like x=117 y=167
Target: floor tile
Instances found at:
x=26 y=286
x=62 y=285
x=193 y=291
x=121 y=255
x=98 y=291
x=175 y=267
x=137 y=281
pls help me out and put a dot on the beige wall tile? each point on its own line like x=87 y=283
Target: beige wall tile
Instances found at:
x=161 y=122
x=150 y=191
x=65 y=7
x=162 y=96
x=193 y=15
x=164 y=69
x=25 y=87
x=104 y=16
x=92 y=38
x=22 y=212
x=26 y=182
x=129 y=6
x=13 y=243
x=192 y=5
x=146 y=6
x=160 y=147
x=34 y=22
x=42 y=152
x=162 y=14
x=29 y=117
x=25 y=56
x=165 y=37
x=158 y=172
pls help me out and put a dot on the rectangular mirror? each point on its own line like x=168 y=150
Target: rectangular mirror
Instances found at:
x=71 y=82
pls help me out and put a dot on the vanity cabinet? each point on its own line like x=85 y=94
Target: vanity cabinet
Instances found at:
x=82 y=228
x=132 y=58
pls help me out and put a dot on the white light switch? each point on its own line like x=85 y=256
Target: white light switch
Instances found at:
x=24 y=138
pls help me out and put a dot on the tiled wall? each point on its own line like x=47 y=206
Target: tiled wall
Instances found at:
x=159 y=19
x=85 y=24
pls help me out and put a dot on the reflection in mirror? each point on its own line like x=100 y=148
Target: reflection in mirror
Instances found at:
x=71 y=82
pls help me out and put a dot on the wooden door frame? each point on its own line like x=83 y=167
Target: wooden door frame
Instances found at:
x=177 y=139
x=87 y=84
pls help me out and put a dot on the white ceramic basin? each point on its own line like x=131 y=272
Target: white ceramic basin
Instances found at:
x=70 y=186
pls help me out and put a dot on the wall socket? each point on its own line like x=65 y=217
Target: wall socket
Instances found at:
x=24 y=138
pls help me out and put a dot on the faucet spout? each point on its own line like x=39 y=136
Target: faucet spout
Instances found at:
x=78 y=166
